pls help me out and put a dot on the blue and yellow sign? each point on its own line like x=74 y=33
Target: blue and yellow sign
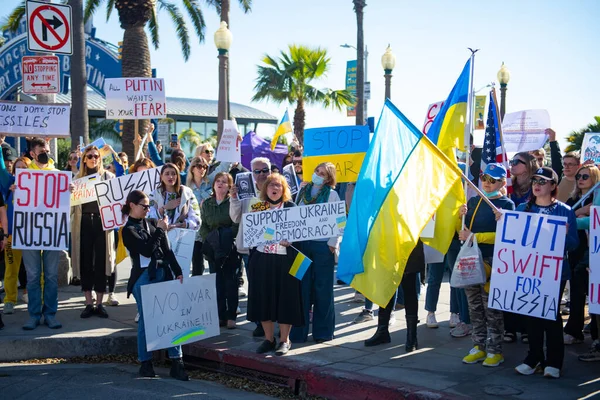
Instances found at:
x=351 y=85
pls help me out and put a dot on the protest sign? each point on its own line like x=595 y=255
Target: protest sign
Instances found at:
x=432 y=112
x=182 y=244
x=229 y=146
x=528 y=262
x=85 y=190
x=590 y=148
x=112 y=193
x=344 y=146
x=594 y=249
x=178 y=313
x=478 y=122
x=48 y=120
x=41 y=217
x=101 y=144
x=290 y=176
x=244 y=181
x=135 y=98
x=524 y=130
x=294 y=224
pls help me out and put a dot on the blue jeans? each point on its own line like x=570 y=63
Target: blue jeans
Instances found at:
x=36 y=262
x=460 y=298
x=317 y=288
x=435 y=276
x=399 y=295
x=144 y=279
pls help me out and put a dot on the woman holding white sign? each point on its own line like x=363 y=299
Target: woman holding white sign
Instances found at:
x=92 y=248
x=544 y=188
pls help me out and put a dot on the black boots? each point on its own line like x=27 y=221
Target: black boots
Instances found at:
x=381 y=336
x=178 y=370
x=411 y=333
x=147 y=370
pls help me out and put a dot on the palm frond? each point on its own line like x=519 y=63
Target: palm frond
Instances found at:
x=195 y=12
x=90 y=8
x=180 y=28
x=246 y=5
x=216 y=4
x=153 y=29
x=13 y=20
x=110 y=6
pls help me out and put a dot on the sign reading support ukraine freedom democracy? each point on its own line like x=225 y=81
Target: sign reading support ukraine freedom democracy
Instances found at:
x=594 y=286
x=178 y=313
x=528 y=262
x=294 y=224
x=344 y=146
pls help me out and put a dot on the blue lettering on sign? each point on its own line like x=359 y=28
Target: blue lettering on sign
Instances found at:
x=506 y=216
x=101 y=63
x=336 y=140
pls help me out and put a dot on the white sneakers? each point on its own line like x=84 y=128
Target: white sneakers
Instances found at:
x=431 y=321
x=525 y=369
x=111 y=300
x=454 y=320
x=549 y=372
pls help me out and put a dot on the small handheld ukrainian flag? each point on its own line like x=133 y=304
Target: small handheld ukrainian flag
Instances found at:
x=300 y=266
x=284 y=127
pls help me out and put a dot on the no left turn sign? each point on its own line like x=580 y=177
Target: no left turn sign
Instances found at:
x=49 y=28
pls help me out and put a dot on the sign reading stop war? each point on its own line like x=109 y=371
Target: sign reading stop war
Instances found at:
x=344 y=146
x=41 y=210
x=294 y=224
x=594 y=244
x=21 y=119
x=112 y=194
x=527 y=266
x=135 y=98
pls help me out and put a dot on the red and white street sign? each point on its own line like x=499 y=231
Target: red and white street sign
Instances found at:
x=41 y=74
x=49 y=28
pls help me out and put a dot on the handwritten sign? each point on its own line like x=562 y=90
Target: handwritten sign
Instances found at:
x=294 y=224
x=85 y=190
x=178 y=313
x=182 y=244
x=135 y=98
x=229 y=147
x=344 y=146
x=528 y=262
x=112 y=194
x=594 y=244
x=21 y=119
x=41 y=210
x=524 y=130
x=590 y=148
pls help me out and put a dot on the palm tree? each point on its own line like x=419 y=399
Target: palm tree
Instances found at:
x=575 y=138
x=359 y=6
x=189 y=139
x=289 y=79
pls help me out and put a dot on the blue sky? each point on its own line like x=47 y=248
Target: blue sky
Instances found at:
x=548 y=45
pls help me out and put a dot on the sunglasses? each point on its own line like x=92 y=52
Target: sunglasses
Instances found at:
x=515 y=161
x=297 y=162
x=264 y=171
x=73 y=158
x=146 y=207
x=486 y=178
x=90 y=156
x=200 y=166
x=540 y=182
x=583 y=177
x=209 y=151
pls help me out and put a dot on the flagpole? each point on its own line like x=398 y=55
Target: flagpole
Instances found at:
x=500 y=128
x=469 y=123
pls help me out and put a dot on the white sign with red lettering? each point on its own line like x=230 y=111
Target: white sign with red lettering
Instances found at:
x=41 y=217
x=41 y=74
x=594 y=265
x=432 y=112
x=229 y=147
x=135 y=98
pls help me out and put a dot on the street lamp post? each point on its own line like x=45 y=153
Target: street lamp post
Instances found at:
x=223 y=39
x=388 y=62
x=365 y=79
x=503 y=78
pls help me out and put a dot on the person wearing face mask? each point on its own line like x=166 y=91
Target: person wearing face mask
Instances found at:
x=480 y=219
x=317 y=283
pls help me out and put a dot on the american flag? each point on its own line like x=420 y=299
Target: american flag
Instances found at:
x=493 y=150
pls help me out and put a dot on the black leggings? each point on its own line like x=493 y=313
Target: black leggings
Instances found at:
x=197 y=259
x=411 y=304
x=227 y=286
x=92 y=254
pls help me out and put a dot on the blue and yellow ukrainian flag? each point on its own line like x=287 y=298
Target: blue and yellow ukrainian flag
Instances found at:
x=284 y=127
x=300 y=266
x=448 y=132
x=402 y=182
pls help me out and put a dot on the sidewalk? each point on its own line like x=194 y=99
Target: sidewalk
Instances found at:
x=342 y=368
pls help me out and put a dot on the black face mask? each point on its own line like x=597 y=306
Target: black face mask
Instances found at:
x=275 y=201
x=43 y=158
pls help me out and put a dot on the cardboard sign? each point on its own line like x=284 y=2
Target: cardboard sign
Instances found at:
x=47 y=120
x=524 y=130
x=41 y=74
x=178 y=313
x=528 y=262
x=135 y=98
x=590 y=148
x=246 y=186
x=101 y=144
x=344 y=146
x=182 y=244
x=290 y=176
x=294 y=224
x=432 y=112
x=594 y=243
x=41 y=218
x=229 y=149
x=85 y=190
x=112 y=194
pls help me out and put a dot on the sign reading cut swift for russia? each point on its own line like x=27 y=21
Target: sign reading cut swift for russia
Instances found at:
x=344 y=146
x=135 y=98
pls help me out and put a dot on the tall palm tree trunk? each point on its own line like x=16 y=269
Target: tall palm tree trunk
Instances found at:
x=79 y=109
x=299 y=115
x=359 y=5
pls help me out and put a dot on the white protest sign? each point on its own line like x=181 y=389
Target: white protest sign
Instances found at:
x=294 y=224
x=178 y=313
x=85 y=190
x=290 y=176
x=112 y=193
x=590 y=148
x=182 y=244
x=594 y=244
x=432 y=112
x=229 y=147
x=48 y=120
x=524 y=130
x=135 y=98
x=41 y=218
x=527 y=266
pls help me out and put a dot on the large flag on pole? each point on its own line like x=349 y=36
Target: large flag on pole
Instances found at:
x=403 y=179
x=284 y=127
x=448 y=132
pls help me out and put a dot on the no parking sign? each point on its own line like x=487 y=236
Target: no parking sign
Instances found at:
x=49 y=28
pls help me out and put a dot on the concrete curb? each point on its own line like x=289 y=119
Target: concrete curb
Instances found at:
x=316 y=380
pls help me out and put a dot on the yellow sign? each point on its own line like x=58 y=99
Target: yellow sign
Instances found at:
x=478 y=121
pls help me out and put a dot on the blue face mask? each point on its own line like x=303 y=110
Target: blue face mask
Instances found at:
x=317 y=180
x=491 y=194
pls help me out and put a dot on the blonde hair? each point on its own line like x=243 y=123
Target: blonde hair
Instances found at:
x=190 y=175
x=83 y=170
x=25 y=160
x=275 y=177
x=594 y=176
x=330 y=172
x=201 y=148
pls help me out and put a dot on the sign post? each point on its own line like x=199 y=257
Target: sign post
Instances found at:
x=49 y=28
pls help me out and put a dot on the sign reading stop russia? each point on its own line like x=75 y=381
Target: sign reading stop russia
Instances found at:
x=41 y=74
x=49 y=28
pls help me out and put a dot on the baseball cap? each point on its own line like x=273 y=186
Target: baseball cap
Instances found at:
x=547 y=174
x=8 y=154
x=495 y=170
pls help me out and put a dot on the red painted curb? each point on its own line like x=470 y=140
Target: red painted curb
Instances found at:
x=318 y=380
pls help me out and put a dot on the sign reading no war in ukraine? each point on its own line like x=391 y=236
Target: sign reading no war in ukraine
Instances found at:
x=528 y=261
x=344 y=146
x=294 y=224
